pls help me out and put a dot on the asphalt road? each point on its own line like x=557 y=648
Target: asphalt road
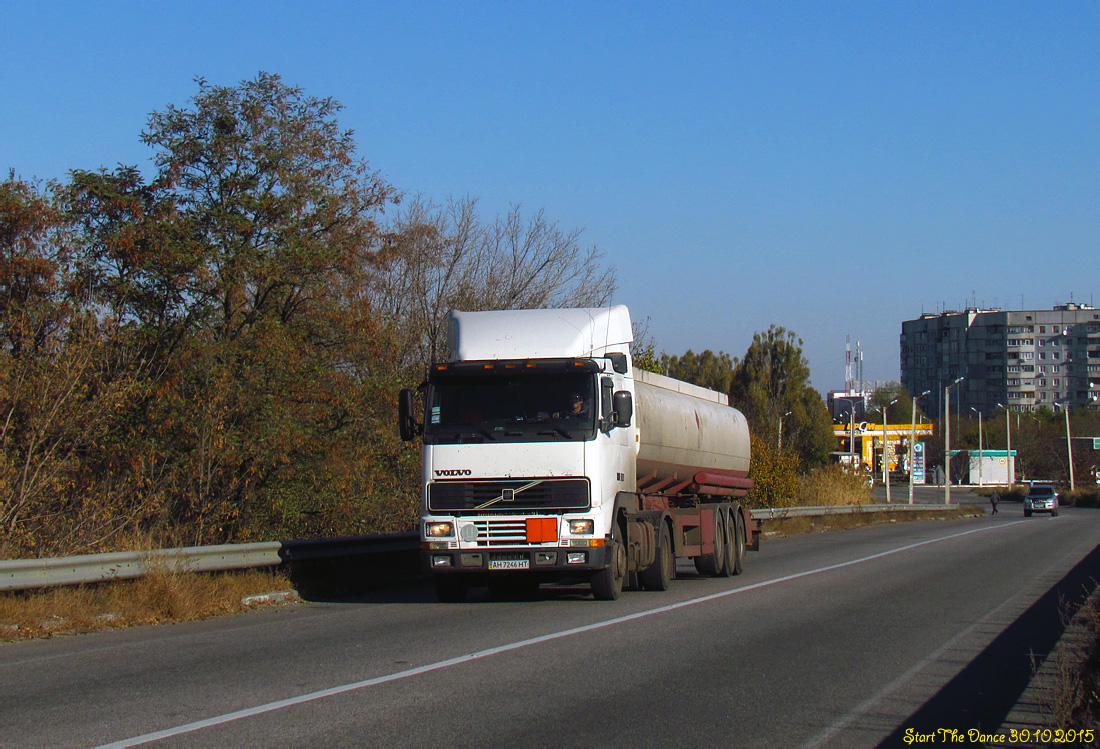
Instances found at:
x=834 y=639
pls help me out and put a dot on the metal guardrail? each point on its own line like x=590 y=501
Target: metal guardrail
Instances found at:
x=23 y=574
x=777 y=513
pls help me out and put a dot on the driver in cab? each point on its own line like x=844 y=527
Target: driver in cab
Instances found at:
x=579 y=409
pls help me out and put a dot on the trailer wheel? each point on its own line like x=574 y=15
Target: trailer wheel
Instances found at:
x=607 y=584
x=736 y=557
x=658 y=576
x=451 y=588
x=714 y=564
x=729 y=550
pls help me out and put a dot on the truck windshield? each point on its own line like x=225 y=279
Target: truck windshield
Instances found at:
x=489 y=407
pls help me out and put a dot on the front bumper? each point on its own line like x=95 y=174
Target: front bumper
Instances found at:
x=555 y=560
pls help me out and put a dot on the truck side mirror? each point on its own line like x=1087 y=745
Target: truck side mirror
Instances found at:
x=624 y=408
x=407 y=424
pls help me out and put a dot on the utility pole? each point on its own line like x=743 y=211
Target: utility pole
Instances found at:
x=947 y=441
x=1008 y=448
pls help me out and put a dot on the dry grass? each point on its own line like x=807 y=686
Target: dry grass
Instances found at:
x=1074 y=701
x=163 y=596
x=799 y=525
x=831 y=485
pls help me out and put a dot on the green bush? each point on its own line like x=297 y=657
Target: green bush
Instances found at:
x=774 y=475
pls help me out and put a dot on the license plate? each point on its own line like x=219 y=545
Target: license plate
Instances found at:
x=509 y=564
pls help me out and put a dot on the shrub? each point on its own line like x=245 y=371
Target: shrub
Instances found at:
x=1089 y=497
x=832 y=485
x=774 y=475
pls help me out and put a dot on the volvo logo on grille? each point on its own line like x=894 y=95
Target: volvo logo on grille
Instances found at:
x=454 y=472
x=508 y=495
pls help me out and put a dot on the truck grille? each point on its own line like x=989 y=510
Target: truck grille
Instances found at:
x=503 y=533
x=502 y=497
x=500 y=533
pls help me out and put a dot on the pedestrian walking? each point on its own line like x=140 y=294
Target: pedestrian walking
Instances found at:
x=994 y=498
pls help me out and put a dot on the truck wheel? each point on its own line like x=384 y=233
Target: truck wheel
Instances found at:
x=607 y=584
x=714 y=564
x=736 y=557
x=451 y=588
x=658 y=576
x=729 y=546
x=735 y=544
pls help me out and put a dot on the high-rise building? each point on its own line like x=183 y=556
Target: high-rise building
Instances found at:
x=1020 y=360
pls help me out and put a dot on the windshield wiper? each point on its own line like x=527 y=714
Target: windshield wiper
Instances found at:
x=557 y=429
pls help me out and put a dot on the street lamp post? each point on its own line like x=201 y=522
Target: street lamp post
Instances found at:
x=1069 y=443
x=947 y=441
x=1008 y=448
x=851 y=430
x=852 y=438
x=779 y=441
x=981 y=482
x=885 y=455
x=912 y=441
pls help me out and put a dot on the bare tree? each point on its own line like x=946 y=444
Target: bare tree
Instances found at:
x=447 y=257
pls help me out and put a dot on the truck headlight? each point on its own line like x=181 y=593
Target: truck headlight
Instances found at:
x=581 y=527
x=438 y=530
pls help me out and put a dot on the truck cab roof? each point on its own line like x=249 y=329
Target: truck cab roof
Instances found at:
x=539 y=333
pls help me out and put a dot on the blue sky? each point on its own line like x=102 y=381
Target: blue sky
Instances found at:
x=831 y=167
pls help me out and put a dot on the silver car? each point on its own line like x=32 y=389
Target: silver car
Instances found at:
x=1041 y=498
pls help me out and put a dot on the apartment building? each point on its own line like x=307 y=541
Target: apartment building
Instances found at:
x=1019 y=359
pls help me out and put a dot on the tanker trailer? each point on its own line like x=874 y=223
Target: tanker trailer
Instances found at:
x=692 y=467
x=547 y=456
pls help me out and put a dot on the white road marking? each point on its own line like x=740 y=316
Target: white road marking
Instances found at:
x=333 y=691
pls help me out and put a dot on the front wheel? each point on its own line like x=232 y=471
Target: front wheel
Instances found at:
x=607 y=584
x=658 y=576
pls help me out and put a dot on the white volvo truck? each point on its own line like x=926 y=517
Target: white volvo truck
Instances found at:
x=546 y=455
